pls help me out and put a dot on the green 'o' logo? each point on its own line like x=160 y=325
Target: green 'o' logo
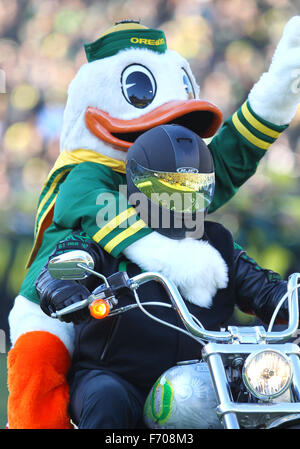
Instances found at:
x=165 y=390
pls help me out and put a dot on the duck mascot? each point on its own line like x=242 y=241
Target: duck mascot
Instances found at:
x=130 y=84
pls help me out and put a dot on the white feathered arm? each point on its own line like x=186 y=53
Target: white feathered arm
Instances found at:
x=276 y=96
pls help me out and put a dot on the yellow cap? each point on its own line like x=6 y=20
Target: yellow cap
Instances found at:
x=124 y=25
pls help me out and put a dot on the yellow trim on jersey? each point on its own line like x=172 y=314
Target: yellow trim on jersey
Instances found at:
x=50 y=192
x=134 y=228
x=257 y=124
x=248 y=134
x=112 y=224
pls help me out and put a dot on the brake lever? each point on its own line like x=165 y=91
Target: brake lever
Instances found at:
x=71 y=308
x=88 y=302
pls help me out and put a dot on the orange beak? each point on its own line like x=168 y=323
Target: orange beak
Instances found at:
x=200 y=116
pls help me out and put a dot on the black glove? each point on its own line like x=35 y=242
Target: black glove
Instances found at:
x=55 y=294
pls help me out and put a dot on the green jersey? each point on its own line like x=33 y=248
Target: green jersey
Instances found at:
x=84 y=193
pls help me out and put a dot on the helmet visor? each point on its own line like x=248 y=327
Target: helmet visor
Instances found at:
x=179 y=192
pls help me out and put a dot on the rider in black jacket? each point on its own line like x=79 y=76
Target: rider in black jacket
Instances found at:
x=130 y=351
x=117 y=360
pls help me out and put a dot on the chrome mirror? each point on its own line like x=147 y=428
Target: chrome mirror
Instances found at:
x=74 y=265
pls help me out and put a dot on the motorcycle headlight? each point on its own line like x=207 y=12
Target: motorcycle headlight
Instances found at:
x=267 y=374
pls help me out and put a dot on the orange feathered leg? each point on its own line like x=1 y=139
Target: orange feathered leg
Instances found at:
x=38 y=391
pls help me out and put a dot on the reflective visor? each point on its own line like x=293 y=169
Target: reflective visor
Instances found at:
x=179 y=192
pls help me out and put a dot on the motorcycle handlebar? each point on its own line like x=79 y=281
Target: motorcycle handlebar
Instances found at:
x=200 y=332
x=178 y=303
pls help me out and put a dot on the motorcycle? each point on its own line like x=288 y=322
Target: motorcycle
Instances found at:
x=246 y=377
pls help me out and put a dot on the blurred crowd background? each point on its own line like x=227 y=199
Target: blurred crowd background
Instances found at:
x=229 y=43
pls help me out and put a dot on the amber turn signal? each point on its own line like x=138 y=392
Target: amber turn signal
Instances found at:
x=99 y=309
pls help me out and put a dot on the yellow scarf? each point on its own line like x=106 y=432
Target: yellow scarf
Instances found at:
x=63 y=165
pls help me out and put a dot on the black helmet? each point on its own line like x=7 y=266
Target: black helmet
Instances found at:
x=170 y=180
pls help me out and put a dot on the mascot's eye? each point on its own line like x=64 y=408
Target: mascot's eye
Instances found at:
x=188 y=85
x=138 y=85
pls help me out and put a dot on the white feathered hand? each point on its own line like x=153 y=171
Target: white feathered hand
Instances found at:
x=196 y=267
x=276 y=96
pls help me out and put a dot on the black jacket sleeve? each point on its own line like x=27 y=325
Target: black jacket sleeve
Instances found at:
x=258 y=290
